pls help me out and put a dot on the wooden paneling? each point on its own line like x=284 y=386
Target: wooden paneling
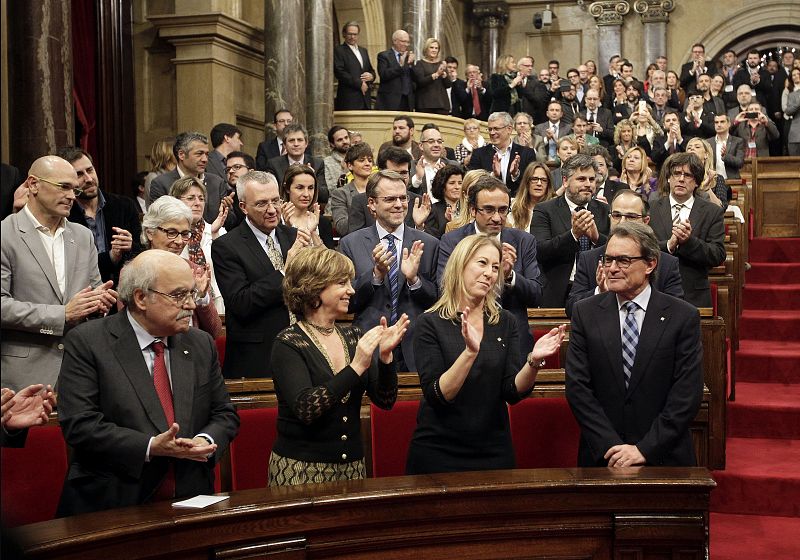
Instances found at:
x=776 y=186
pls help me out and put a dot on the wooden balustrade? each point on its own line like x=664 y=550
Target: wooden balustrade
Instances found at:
x=644 y=513
x=776 y=195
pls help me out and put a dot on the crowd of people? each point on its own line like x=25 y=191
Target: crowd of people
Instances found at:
x=601 y=195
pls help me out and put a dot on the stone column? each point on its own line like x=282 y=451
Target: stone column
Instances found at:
x=39 y=79
x=491 y=16
x=319 y=78
x=655 y=16
x=415 y=22
x=285 y=58
x=608 y=14
x=435 y=28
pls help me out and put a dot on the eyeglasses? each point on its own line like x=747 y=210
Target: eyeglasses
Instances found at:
x=63 y=187
x=235 y=167
x=173 y=233
x=432 y=141
x=181 y=298
x=538 y=180
x=496 y=128
x=393 y=199
x=628 y=216
x=194 y=198
x=622 y=261
x=681 y=175
x=491 y=210
x=264 y=204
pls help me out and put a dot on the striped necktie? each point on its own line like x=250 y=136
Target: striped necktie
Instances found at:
x=676 y=217
x=630 y=338
x=394 y=286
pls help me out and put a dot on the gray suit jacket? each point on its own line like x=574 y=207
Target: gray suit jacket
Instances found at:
x=216 y=165
x=33 y=307
x=564 y=129
x=734 y=155
x=371 y=302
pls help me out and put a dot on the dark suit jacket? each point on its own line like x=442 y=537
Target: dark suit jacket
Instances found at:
x=108 y=410
x=348 y=70
x=604 y=118
x=278 y=166
x=216 y=190
x=734 y=155
x=500 y=93
x=551 y=225
x=460 y=99
x=667 y=281
x=395 y=82
x=437 y=222
x=704 y=130
x=703 y=251
x=269 y=149
x=534 y=98
x=216 y=165
x=359 y=215
x=253 y=293
x=762 y=88
x=660 y=152
x=424 y=187
x=371 y=302
x=121 y=212
x=527 y=290
x=10 y=179
x=482 y=159
x=688 y=81
x=666 y=384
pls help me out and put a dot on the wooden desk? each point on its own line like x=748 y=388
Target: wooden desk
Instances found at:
x=643 y=513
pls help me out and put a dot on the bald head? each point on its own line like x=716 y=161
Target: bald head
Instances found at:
x=45 y=166
x=51 y=182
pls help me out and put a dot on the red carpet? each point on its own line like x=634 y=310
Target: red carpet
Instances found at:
x=756 y=505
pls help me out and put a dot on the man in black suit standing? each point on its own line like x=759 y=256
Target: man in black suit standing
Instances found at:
x=696 y=66
x=249 y=262
x=141 y=400
x=274 y=147
x=191 y=153
x=600 y=119
x=567 y=225
x=353 y=71
x=396 y=91
x=532 y=94
x=112 y=219
x=634 y=376
x=689 y=227
x=671 y=142
x=460 y=97
x=753 y=74
x=503 y=158
x=606 y=188
x=295 y=140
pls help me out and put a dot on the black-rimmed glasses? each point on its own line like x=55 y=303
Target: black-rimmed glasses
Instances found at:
x=623 y=261
x=173 y=233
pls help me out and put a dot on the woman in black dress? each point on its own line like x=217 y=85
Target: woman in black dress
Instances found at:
x=446 y=188
x=300 y=208
x=321 y=371
x=430 y=76
x=472 y=368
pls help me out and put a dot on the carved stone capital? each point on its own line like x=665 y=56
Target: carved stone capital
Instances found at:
x=609 y=12
x=652 y=11
x=490 y=14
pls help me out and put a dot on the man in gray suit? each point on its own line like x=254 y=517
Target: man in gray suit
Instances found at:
x=553 y=129
x=50 y=279
x=395 y=265
x=191 y=153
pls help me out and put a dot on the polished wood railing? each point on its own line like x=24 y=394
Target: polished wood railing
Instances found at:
x=644 y=513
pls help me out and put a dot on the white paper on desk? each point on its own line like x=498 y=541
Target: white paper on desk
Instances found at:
x=199 y=502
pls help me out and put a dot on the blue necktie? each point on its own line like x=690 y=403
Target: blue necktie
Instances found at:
x=394 y=286
x=583 y=240
x=630 y=338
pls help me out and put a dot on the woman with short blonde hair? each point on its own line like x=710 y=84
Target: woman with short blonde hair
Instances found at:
x=430 y=76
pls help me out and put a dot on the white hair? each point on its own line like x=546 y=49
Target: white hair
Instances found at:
x=165 y=209
x=261 y=177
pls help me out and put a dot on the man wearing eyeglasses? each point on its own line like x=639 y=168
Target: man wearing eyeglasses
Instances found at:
x=112 y=219
x=689 y=227
x=237 y=164
x=568 y=225
x=634 y=376
x=141 y=400
x=504 y=159
x=395 y=264
x=591 y=274
x=431 y=161
x=50 y=278
x=521 y=286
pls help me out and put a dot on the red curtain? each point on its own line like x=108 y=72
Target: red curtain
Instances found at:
x=84 y=90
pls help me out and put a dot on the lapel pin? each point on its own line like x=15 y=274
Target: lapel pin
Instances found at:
x=187 y=352
x=662 y=318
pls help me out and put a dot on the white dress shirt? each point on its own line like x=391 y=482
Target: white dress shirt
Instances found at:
x=54 y=247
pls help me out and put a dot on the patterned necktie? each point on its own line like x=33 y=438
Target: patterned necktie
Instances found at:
x=676 y=217
x=394 y=286
x=476 y=102
x=276 y=258
x=583 y=240
x=630 y=338
x=196 y=254
x=166 y=489
x=552 y=144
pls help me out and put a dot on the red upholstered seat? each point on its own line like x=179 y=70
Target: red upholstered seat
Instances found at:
x=251 y=448
x=391 y=437
x=220 y=342
x=32 y=477
x=551 y=362
x=545 y=434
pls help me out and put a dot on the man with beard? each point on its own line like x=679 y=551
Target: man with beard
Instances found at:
x=752 y=74
x=238 y=163
x=403 y=137
x=567 y=225
x=339 y=141
x=711 y=105
x=112 y=219
x=569 y=105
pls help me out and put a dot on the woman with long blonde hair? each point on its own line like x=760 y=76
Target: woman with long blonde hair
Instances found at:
x=473 y=367
x=713 y=187
x=637 y=174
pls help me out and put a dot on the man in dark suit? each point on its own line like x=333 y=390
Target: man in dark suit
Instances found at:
x=10 y=179
x=112 y=219
x=396 y=91
x=191 y=153
x=274 y=147
x=600 y=119
x=504 y=159
x=606 y=188
x=480 y=100
x=249 y=263
x=553 y=129
x=432 y=160
x=753 y=74
x=521 y=286
x=590 y=274
x=139 y=431
x=671 y=142
x=634 y=377
x=533 y=99
x=295 y=139
x=696 y=66
x=689 y=227
x=727 y=148
x=389 y=249
x=353 y=71
x=566 y=225
x=225 y=138
x=460 y=97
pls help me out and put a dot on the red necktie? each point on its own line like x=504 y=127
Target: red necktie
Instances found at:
x=476 y=102
x=166 y=490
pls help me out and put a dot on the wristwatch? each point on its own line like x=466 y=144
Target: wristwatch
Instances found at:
x=535 y=365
